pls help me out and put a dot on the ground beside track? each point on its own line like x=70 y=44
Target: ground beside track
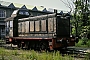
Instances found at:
x=77 y=53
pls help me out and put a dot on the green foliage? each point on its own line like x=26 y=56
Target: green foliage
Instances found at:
x=88 y=43
x=79 y=44
x=15 y=53
x=31 y=55
x=85 y=31
x=83 y=43
x=81 y=18
x=73 y=31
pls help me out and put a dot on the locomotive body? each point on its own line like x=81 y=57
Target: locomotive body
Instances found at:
x=50 y=31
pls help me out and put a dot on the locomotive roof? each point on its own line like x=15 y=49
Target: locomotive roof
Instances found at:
x=42 y=17
x=38 y=17
x=10 y=18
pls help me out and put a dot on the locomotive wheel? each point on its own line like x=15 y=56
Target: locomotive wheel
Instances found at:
x=43 y=46
x=19 y=45
x=28 y=45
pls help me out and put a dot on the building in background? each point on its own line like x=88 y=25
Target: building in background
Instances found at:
x=7 y=8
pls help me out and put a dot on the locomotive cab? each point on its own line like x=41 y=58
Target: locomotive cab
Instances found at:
x=12 y=22
x=63 y=25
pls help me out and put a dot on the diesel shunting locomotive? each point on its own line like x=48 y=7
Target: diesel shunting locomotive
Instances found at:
x=50 y=31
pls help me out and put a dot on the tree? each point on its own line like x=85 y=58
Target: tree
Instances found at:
x=81 y=16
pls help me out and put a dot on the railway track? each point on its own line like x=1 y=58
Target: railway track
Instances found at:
x=73 y=52
x=76 y=52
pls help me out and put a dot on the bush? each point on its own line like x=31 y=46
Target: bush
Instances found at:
x=83 y=43
x=79 y=43
x=88 y=43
